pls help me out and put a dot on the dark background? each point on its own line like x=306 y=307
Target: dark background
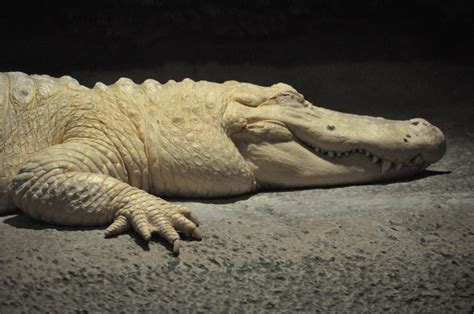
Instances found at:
x=43 y=37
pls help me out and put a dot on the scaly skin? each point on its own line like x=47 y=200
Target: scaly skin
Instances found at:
x=77 y=156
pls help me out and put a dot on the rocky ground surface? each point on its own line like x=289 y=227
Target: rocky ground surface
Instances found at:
x=405 y=246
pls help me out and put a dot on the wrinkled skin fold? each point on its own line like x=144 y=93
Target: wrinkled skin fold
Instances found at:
x=71 y=155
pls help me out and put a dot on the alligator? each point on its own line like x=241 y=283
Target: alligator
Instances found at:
x=104 y=156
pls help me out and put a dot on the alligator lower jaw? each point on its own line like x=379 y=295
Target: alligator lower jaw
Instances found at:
x=385 y=165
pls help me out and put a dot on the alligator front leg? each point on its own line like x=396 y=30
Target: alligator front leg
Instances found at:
x=75 y=184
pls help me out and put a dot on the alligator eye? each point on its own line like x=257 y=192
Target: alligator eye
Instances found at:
x=291 y=96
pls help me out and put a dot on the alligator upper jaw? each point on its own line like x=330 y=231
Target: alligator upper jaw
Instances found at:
x=394 y=146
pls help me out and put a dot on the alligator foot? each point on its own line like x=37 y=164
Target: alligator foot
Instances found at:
x=157 y=217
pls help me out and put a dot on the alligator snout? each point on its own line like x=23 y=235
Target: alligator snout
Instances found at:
x=432 y=136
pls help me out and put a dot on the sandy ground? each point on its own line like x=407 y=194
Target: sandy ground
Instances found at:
x=405 y=246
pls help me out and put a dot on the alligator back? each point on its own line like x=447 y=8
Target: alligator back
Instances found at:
x=28 y=104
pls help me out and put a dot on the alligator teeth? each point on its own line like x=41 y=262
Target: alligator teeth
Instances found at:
x=385 y=166
x=418 y=160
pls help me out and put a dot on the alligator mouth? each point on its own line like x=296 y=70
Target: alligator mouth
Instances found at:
x=384 y=164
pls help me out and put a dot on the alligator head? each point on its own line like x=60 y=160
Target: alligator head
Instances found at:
x=288 y=142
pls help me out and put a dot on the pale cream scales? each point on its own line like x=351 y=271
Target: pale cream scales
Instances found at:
x=71 y=155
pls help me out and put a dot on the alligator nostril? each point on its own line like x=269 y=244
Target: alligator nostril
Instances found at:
x=417 y=121
x=331 y=127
